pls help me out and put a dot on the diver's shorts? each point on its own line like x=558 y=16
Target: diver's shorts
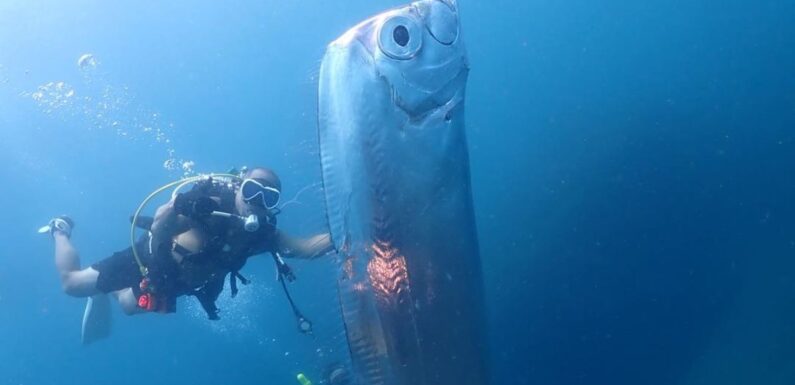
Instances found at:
x=119 y=271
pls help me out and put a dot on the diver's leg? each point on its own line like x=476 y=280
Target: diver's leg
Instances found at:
x=82 y=283
x=75 y=282
x=128 y=302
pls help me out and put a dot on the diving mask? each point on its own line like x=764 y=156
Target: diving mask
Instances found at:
x=256 y=193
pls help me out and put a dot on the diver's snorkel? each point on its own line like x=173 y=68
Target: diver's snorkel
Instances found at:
x=250 y=223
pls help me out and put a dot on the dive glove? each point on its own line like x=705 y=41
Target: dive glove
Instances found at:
x=194 y=206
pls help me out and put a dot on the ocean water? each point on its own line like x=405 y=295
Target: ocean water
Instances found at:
x=632 y=167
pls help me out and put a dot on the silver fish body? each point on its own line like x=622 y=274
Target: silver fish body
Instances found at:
x=397 y=190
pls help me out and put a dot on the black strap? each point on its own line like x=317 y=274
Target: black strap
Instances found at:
x=207 y=295
x=242 y=279
x=233 y=278
x=208 y=305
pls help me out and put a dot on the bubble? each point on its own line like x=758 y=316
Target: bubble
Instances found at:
x=53 y=96
x=238 y=314
x=170 y=164
x=87 y=61
x=98 y=104
x=160 y=137
x=187 y=168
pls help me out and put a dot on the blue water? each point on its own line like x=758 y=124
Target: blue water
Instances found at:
x=632 y=164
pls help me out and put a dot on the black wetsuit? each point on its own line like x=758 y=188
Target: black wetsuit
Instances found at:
x=226 y=250
x=120 y=270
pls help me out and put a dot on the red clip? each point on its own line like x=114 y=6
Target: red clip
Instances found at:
x=146 y=302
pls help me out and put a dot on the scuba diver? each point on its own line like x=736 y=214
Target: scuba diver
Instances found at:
x=195 y=240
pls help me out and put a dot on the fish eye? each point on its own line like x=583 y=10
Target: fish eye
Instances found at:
x=400 y=37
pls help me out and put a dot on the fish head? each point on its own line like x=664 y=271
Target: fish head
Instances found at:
x=416 y=50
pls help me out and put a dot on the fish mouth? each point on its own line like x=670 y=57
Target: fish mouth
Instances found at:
x=442 y=99
x=418 y=103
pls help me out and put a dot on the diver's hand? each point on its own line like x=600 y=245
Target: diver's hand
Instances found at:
x=191 y=205
x=286 y=271
x=205 y=206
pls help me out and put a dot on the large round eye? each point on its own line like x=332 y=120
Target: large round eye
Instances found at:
x=400 y=37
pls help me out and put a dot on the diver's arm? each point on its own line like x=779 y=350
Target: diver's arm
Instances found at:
x=167 y=223
x=311 y=248
x=174 y=217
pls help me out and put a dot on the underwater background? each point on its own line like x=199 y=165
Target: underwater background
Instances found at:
x=632 y=166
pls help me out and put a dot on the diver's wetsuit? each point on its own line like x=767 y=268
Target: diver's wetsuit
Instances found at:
x=120 y=270
x=227 y=248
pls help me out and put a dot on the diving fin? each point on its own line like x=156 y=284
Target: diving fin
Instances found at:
x=96 y=319
x=62 y=224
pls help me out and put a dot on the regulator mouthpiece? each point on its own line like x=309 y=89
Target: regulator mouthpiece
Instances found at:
x=251 y=223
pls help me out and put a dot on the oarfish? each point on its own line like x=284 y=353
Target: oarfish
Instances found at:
x=396 y=181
